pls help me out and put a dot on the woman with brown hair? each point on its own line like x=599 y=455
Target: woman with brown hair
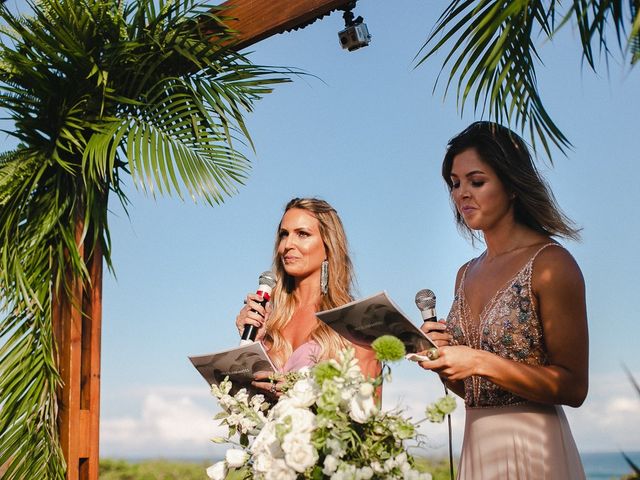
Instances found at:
x=515 y=344
x=314 y=273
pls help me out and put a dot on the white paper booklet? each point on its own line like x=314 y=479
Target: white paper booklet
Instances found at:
x=364 y=320
x=239 y=364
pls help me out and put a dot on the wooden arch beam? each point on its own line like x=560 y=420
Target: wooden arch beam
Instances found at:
x=255 y=20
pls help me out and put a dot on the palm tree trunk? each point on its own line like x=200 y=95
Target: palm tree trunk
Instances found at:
x=77 y=322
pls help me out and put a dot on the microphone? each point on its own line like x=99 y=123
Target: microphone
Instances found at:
x=266 y=282
x=426 y=303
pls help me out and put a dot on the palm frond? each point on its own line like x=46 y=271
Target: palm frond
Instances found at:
x=98 y=90
x=492 y=56
x=28 y=372
x=494 y=59
x=634 y=36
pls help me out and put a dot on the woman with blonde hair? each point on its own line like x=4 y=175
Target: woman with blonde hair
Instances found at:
x=314 y=273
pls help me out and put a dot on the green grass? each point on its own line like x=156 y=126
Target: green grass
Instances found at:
x=438 y=468
x=176 y=470
x=152 y=470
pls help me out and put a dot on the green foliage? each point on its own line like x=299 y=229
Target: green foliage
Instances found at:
x=98 y=90
x=437 y=411
x=493 y=53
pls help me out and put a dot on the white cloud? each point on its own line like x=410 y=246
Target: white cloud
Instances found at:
x=168 y=426
x=610 y=417
x=170 y=421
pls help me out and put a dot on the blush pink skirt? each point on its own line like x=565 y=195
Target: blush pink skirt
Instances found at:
x=524 y=442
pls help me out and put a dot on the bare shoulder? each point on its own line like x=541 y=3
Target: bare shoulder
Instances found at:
x=363 y=352
x=555 y=267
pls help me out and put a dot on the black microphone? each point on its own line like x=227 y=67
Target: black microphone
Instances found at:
x=426 y=303
x=266 y=282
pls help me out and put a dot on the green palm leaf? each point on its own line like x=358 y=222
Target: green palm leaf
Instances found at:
x=492 y=56
x=97 y=90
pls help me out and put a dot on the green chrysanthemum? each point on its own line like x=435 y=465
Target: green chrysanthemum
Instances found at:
x=388 y=348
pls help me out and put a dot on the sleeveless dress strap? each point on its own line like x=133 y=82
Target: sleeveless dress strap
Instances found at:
x=550 y=244
x=464 y=272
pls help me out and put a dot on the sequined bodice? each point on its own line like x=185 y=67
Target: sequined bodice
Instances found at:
x=507 y=326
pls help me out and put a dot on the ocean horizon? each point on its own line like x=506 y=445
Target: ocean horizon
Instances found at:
x=607 y=465
x=597 y=465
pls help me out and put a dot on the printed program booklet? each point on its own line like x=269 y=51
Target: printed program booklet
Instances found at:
x=239 y=364
x=364 y=320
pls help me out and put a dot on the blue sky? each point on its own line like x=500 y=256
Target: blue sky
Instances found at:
x=365 y=132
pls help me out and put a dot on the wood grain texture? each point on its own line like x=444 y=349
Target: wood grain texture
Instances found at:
x=255 y=20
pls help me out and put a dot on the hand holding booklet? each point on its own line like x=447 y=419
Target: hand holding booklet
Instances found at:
x=239 y=364
x=364 y=320
x=360 y=322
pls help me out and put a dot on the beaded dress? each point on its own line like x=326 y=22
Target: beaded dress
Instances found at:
x=506 y=436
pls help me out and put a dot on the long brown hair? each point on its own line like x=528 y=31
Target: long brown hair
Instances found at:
x=339 y=286
x=507 y=154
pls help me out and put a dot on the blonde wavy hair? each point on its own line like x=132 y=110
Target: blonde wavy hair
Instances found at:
x=338 y=292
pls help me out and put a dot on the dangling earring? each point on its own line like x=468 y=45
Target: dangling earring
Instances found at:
x=324 y=277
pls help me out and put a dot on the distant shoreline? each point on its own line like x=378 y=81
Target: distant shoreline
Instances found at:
x=598 y=465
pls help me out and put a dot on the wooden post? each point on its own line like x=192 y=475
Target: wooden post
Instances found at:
x=77 y=334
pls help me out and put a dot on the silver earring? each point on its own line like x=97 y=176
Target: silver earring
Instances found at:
x=324 y=277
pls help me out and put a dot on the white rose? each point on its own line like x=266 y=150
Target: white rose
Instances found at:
x=235 y=457
x=304 y=392
x=267 y=441
x=217 y=471
x=299 y=453
x=302 y=420
x=282 y=408
x=330 y=464
x=281 y=471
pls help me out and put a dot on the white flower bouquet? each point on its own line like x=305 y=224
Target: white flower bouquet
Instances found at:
x=327 y=425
